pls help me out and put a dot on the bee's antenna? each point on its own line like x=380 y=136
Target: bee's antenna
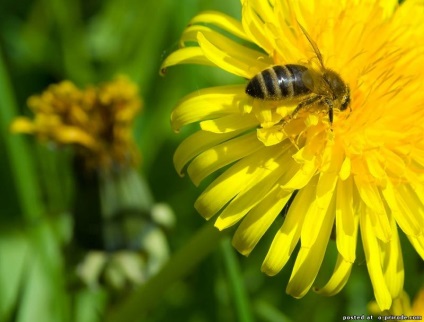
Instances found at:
x=313 y=44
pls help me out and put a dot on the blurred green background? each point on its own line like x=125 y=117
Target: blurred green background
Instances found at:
x=87 y=42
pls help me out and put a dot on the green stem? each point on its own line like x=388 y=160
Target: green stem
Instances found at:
x=19 y=156
x=180 y=264
x=241 y=298
x=269 y=313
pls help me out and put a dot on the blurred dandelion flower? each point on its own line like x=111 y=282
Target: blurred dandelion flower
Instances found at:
x=97 y=120
x=118 y=231
x=363 y=171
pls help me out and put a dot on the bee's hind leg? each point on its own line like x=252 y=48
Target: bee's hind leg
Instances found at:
x=316 y=99
x=309 y=101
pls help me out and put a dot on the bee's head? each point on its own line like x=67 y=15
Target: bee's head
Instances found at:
x=337 y=88
x=345 y=100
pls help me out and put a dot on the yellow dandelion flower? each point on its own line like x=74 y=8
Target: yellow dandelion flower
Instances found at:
x=362 y=170
x=97 y=120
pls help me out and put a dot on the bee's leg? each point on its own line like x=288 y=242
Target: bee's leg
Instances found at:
x=289 y=137
x=316 y=99
x=350 y=111
x=309 y=101
x=329 y=103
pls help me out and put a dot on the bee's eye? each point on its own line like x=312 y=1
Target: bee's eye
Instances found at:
x=346 y=103
x=335 y=82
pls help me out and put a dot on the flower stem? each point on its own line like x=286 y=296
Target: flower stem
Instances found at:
x=19 y=156
x=236 y=283
x=180 y=264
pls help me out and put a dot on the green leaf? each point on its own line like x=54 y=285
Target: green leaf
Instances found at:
x=14 y=255
x=44 y=296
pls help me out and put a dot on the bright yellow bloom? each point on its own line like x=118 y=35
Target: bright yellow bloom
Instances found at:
x=97 y=120
x=364 y=171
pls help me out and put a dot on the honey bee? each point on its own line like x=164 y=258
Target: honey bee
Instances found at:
x=323 y=88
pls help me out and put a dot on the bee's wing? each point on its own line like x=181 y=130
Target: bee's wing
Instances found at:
x=313 y=44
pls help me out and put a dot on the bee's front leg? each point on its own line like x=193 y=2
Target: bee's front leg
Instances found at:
x=329 y=104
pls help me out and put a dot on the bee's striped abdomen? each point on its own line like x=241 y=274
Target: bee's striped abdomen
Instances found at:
x=278 y=82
